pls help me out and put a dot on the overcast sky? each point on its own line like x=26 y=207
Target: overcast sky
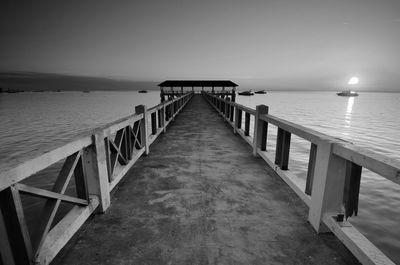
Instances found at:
x=298 y=44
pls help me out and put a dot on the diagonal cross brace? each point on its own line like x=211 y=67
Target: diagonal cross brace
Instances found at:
x=50 y=208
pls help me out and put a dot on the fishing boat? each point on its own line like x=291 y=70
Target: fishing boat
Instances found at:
x=347 y=93
x=261 y=92
x=142 y=91
x=246 y=93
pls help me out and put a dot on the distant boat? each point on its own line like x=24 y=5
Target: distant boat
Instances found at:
x=261 y=92
x=246 y=93
x=347 y=93
x=142 y=91
x=86 y=91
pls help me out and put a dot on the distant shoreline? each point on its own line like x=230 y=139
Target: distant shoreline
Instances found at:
x=18 y=82
x=41 y=82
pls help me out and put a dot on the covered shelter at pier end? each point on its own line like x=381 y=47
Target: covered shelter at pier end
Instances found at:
x=224 y=86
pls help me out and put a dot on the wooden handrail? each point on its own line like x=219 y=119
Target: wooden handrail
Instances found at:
x=92 y=160
x=299 y=130
x=41 y=162
x=378 y=163
x=333 y=174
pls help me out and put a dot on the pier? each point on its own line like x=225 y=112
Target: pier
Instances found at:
x=188 y=182
x=171 y=89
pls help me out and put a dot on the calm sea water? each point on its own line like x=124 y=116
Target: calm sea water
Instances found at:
x=33 y=123
x=372 y=121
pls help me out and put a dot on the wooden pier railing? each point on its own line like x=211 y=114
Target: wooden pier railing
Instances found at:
x=95 y=163
x=333 y=175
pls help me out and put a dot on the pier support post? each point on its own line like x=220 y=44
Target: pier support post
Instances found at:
x=260 y=129
x=95 y=166
x=328 y=185
x=141 y=109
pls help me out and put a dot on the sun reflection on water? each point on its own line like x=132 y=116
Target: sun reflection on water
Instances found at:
x=349 y=110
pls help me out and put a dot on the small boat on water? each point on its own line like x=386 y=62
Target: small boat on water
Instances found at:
x=261 y=92
x=347 y=93
x=142 y=91
x=246 y=93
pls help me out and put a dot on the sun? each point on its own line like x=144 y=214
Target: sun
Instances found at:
x=353 y=80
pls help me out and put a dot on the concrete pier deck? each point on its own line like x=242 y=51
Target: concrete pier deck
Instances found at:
x=201 y=197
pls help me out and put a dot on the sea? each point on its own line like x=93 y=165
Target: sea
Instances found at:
x=32 y=123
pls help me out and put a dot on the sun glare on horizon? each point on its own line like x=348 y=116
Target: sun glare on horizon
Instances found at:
x=353 y=81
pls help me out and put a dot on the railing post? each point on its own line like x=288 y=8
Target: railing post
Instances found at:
x=167 y=112
x=236 y=119
x=154 y=123
x=310 y=170
x=246 y=124
x=172 y=105
x=13 y=221
x=328 y=185
x=162 y=118
x=351 y=188
x=141 y=109
x=231 y=113
x=6 y=255
x=227 y=108
x=260 y=129
x=282 y=149
x=95 y=166
x=159 y=118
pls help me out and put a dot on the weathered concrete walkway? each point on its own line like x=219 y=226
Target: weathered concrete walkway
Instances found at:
x=200 y=197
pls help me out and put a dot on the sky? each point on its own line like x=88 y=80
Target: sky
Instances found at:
x=271 y=44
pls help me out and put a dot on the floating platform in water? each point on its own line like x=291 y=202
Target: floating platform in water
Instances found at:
x=261 y=92
x=246 y=93
x=347 y=93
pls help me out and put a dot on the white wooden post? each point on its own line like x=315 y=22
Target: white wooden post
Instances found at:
x=163 y=118
x=227 y=109
x=95 y=166
x=141 y=109
x=235 y=121
x=258 y=127
x=172 y=106
x=328 y=185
